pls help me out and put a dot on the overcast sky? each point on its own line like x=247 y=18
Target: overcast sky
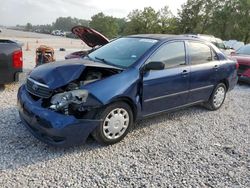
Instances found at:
x=13 y=12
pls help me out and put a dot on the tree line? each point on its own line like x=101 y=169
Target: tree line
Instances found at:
x=61 y=23
x=226 y=19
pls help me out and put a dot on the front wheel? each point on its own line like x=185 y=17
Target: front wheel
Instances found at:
x=217 y=98
x=117 y=119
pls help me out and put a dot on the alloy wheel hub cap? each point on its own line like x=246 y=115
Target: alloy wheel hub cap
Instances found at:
x=116 y=123
x=219 y=97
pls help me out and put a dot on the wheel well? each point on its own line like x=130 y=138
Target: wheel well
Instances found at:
x=129 y=102
x=225 y=82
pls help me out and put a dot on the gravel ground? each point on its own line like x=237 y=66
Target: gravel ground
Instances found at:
x=189 y=148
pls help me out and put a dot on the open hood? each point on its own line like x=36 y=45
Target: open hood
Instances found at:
x=90 y=36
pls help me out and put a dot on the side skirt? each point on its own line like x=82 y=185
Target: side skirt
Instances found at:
x=173 y=109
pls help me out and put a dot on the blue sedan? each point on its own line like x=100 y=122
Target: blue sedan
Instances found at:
x=128 y=79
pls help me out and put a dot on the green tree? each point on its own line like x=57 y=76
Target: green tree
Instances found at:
x=107 y=25
x=121 y=22
x=28 y=27
x=241 y=21
x=150 y=20
x=190 y=16
x=146 y=21
x=134 y=25
x=66 y=23
x=227 y=19
x=223 y=20
x=167 y=21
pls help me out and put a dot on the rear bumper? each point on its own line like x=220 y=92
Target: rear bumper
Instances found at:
x=16 y=76
x=11 y=77
x=51 y=127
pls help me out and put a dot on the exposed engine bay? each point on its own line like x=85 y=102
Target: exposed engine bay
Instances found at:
x=89 y=75
x=71 y=98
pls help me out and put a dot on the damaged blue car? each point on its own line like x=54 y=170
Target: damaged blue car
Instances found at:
x=130 y=78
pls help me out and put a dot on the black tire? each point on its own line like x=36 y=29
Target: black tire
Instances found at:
x=99 y=134
x=2 y=87
x=210 y=104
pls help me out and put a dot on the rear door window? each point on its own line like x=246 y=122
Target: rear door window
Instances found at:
x=199 y=53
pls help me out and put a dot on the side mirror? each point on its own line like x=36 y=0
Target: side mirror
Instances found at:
x=154 y=65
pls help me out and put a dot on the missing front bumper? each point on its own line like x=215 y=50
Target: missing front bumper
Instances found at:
x=51 y=127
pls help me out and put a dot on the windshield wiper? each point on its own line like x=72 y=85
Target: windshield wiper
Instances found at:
x=108 y=63
x=87 y=56
x=103 y=60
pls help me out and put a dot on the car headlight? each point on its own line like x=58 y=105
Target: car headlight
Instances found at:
x=61 y=101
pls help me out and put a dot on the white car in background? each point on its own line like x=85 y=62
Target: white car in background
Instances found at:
x=58 y=33
x=234 y=44
x=216 y=41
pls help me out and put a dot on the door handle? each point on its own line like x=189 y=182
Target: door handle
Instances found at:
x=184 y=73
x=216 y=67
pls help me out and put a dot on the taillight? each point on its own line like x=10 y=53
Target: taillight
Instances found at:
x=17 y=59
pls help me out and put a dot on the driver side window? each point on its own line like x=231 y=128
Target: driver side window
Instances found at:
x=171 y=54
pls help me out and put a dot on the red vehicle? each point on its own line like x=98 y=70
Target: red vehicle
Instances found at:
x=242 y=55
x=91 y=37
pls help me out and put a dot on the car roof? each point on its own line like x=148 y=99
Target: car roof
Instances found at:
x=163 y=37
x=154 y=36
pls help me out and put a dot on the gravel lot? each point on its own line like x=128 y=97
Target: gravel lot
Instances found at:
x=189 y=148
x=34 y=40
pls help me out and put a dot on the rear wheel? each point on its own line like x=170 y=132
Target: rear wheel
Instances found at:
x=217 y=98
x=117 y=119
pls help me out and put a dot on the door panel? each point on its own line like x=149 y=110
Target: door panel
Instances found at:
x=168 y=88
x=203 y=71
x=165 y=89
x=202 y=81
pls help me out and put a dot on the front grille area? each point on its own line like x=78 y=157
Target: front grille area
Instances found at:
x=38 y=89
x=243 y=68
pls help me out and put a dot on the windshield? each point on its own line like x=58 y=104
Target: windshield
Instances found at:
x=245 y=50
x=122 y=52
